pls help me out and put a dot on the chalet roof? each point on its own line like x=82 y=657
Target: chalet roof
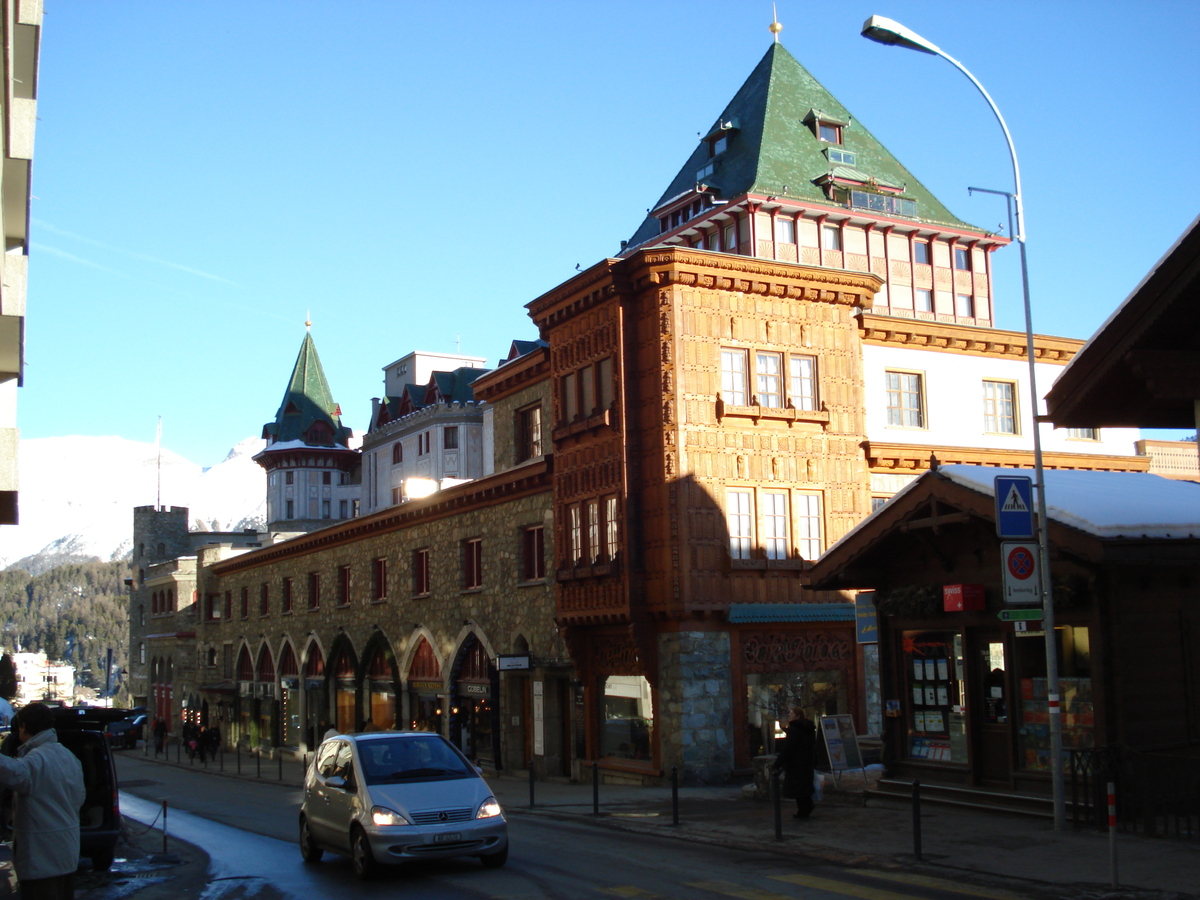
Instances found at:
x=308 y=402
x=773 y=150
x=1142 y=367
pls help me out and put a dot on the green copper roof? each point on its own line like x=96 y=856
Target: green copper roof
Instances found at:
x=772 y=149
x=306 y=403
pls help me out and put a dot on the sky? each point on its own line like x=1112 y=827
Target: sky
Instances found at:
x=410 y=175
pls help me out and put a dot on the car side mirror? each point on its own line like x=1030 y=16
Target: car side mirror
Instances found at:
x=336 y=781
x=478 y=771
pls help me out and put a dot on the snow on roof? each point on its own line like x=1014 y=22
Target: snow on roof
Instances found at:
x=1106 y=504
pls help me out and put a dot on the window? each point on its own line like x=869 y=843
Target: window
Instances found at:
x=802 y=382
x=774 y=522
x=905 y=400
x=841 y=157
x=785 y=230
x=342 y=508
x=962 y=259
x=326 y=478
x=587 y=391
x=397 y=453
x=592 y=510
x=397 y=495
x=529 y=433
x=718 y=144
x=877 y=502
x=314 y=590
x=245 y=604
x=921 y=253
x=740 y=521
x=264 y=599
x=768 y=386
x=923 y=300
x=420 y=570
x=733 y=377
x=286 y=596
x=450 y=437
x=808 y=525
x=379 y=579
x=574 y=536
x=142 y=654
x=472 y=563
x=141 y=615
x=1084 y=434
x=326 y=512
x=290 y=510
x=229 y=605
x=289 y=477
x=828 y=132
x=604 y=382
x=570 y=402
x=343 y=595
x=611 y=545
x=533 y=553
x=964 y=306
x=729 y=237
x=831 y=235
x=999 y=407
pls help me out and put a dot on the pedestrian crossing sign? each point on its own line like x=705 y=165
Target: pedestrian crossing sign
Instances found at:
x=1014 y=506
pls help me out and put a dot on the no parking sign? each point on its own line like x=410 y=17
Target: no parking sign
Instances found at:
x=1019 y=561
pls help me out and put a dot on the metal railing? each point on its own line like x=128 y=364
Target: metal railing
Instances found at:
x=1158 y=790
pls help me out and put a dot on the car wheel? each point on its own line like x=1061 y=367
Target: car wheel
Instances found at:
x=309 y=850
x=101 y=862
x=495 y=860
x=365 y=866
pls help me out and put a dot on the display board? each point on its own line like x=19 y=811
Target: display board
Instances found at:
x=841 y=742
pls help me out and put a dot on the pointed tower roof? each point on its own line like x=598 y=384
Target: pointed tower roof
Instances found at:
x=308 y=414
x=771 y=148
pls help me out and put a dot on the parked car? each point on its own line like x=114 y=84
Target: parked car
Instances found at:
x=81 y=730
x=386 y=798
x=123 y=734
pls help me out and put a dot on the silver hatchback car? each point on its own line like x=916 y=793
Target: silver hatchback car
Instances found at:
x=390 y=797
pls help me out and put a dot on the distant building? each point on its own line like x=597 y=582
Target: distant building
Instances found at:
x=41 y=679
x=21 y=27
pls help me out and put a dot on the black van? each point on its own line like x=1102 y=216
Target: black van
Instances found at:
x=81 y=730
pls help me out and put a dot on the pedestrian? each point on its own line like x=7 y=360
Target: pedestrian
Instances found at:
x=797 y=762
x=202 y=742
x=214 y=740
x=47 y=780
x=160 y=734
x=330 y=731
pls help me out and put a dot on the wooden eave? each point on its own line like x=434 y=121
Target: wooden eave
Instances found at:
x=513 y=376
x=921 y=334
x=503 y=487
x=889 y=457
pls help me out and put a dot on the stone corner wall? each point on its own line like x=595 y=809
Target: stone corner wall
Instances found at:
x=695 y=715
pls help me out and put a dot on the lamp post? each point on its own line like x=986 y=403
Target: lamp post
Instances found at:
x=886 y=31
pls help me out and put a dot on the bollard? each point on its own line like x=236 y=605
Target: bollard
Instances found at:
x=777 y=803
x=280 y=757
x=258 y=763
x=304 y=768
x=1112 y=830
x=595 y=789
x=531 y=784
x=238 y=751
x=221 y=758
x=916 y=806
x=164 y=803
x=674 y=795
x=179 y=752
x=191 y=758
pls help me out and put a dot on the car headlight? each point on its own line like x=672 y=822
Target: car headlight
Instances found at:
x=489 y=809
x=381 y=815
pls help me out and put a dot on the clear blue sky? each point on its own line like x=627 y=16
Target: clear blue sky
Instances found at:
x=414 y=173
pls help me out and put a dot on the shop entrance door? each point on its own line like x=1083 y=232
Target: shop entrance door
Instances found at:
x=990 y=709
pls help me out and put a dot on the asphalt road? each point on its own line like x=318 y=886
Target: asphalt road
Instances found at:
x=248 y=828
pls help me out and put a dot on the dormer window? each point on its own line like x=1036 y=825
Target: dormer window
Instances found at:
x=717 y=145
x=840 y=157
x=826 y=131
x=825 y=127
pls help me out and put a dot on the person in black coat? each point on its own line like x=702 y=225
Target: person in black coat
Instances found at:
x=797 y=762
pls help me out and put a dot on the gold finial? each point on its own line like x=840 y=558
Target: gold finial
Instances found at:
x=775 y=26
x=308 y=320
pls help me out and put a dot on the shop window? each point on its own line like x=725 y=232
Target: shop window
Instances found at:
x=472 y=564
x=1074 y=687
x=628 y=724
x=936 y=723
x=533 y=553
x=905 y=399
x=420 y=571
x=999 y=407
x=771 y=696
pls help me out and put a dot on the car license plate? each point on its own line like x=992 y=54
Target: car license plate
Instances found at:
x=448 y=837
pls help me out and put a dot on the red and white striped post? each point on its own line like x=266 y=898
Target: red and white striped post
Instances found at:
x=1112 y=829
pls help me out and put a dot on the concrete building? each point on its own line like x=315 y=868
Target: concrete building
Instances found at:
x=40 y=679
x=20 y=33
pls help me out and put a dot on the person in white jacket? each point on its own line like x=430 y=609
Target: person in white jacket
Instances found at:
x=48 y=782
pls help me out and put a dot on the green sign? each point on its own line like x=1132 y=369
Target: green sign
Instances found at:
x=1020 y=615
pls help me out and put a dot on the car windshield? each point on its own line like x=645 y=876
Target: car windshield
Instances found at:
x=390 y=760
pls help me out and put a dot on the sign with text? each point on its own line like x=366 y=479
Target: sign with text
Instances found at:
x=1019 y=563
x=1014 y=506
x=866 y=621
x=841 y=742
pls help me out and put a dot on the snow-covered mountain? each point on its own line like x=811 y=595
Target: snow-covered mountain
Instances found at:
x=77 y=496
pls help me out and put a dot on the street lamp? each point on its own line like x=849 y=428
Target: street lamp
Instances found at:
x=886 y=31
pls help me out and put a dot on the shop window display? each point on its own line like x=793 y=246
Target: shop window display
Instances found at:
x=628 y=724
x=771 y=696
x=933 y=662
x=1075 y=690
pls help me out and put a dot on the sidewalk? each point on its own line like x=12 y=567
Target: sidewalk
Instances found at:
x=1022 y=853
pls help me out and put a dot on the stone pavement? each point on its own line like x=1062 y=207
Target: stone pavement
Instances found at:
x=1021 y=853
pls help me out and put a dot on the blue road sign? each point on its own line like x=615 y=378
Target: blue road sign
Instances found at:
x=1014 y=506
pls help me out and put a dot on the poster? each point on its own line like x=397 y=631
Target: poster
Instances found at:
x=930 y=695
x=841 y=742
x=933 y=721
x=930 y=670
x=943 y=668
x=919 y=721
x=943 y=695
x=918 y=695
x=918 y=669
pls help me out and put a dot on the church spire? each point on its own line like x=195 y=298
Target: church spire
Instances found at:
x=308 y=413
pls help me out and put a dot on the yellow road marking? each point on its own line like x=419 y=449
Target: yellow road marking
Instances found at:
x=631 y=891
x=969 y=890
x=736 y=890
x=844 y=888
